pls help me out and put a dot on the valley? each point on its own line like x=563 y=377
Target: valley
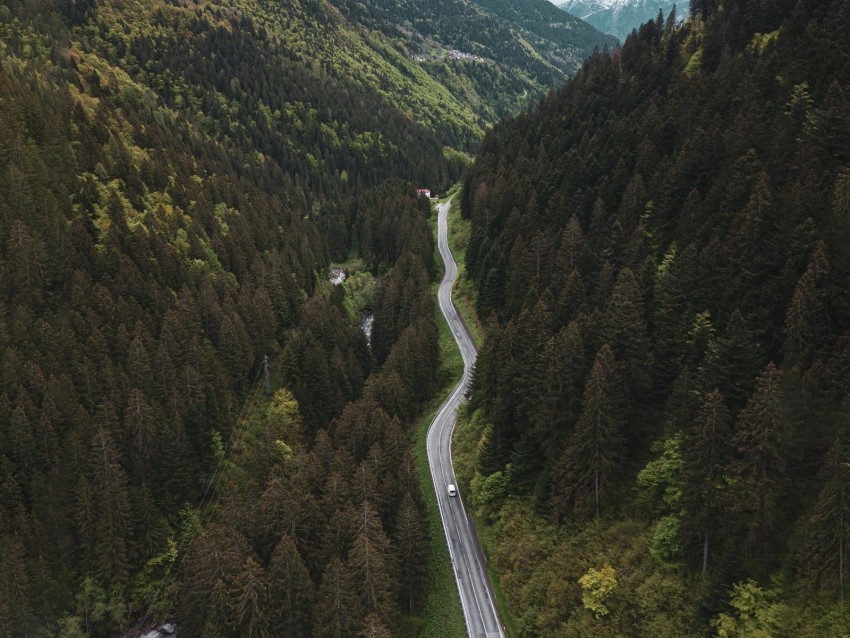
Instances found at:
x=229 y=377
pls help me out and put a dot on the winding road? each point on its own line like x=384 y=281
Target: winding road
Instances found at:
x=476 y=594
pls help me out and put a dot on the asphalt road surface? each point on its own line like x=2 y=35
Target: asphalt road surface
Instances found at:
x=476 y=595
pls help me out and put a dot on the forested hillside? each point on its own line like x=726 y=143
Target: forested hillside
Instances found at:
x=170 y=174
x=661 y=248
x=496 y=56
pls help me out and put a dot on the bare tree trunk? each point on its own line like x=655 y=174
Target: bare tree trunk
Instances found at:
x=841 y=566
x=596 y=490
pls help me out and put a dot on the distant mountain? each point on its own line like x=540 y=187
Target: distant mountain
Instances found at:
x=619 y=17
x=494 y=55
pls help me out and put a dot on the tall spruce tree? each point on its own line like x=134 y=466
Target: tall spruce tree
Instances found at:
x=823 y=557
x=706 y=455
x=595 y=452
x=339 y=610
x=411 y=542
x=374 y=566
x=760 y=442
x=556 y=397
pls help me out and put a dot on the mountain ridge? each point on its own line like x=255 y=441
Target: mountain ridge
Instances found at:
x=620 y=17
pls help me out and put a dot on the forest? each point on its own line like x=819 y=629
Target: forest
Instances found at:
x=526 y=45
x=175 y=183
x=657 y=436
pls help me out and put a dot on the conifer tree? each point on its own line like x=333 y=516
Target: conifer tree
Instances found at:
x=410 y=539
x=706 y=456
x=823 y=557
x=572 y=247
x=807 y=316
x=557 y=394
x=595 y=451
x=291 y=591
x=374 y=628
x=140 y=425
x=249 y=597
x=732 y=361
x=112 y=511
x=759 y=469
x=339 y=610
x=16 y=613
x=373 y=564
x=26 y=257
x=625 y=332
x=571 y=299
x=669 y=316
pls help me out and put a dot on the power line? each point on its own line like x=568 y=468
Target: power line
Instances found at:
x=245 y=412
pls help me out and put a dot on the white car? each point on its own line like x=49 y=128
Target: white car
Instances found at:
x=452 y=490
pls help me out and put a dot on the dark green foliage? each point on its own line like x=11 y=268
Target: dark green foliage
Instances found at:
x=761 y=440
x=706 y=455
x=411 y=541
x=595 y=451
x=556 y=404
x=168 y=174
x=374 y=566
x=339 y=611
x=823 y=555
x=680 y=203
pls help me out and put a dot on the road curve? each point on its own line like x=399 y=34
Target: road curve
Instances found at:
x=476 y=595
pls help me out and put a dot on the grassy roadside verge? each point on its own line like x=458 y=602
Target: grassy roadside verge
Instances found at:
x=464 y=296
x=463 y=293
x=442 y=616
x=467 y=437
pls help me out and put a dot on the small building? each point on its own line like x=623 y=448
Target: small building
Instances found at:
x=423 y=192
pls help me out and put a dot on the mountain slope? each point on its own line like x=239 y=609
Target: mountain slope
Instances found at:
x=619 y=17
x=498 y=55
x=659 y=415
x=175 y=179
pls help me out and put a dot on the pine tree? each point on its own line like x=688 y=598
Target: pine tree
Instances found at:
x=669 y=317
x=571 y=299
x=625 y=332
x=113 y=515
x=706 y=456
x=339 y=610
x=249 y=597
x=287 y=506
x=759 y=469
x=412 y=543
x=732 y=362
x=140 y=425
x=823 y=556
x=211 y=571
x=373 y=564
x=556 y=403
x=595 y=451
x=291 y=591
x=572 y=247
x=374 y=628
x=26 y=258
x=17 y=617
x=807 y=316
